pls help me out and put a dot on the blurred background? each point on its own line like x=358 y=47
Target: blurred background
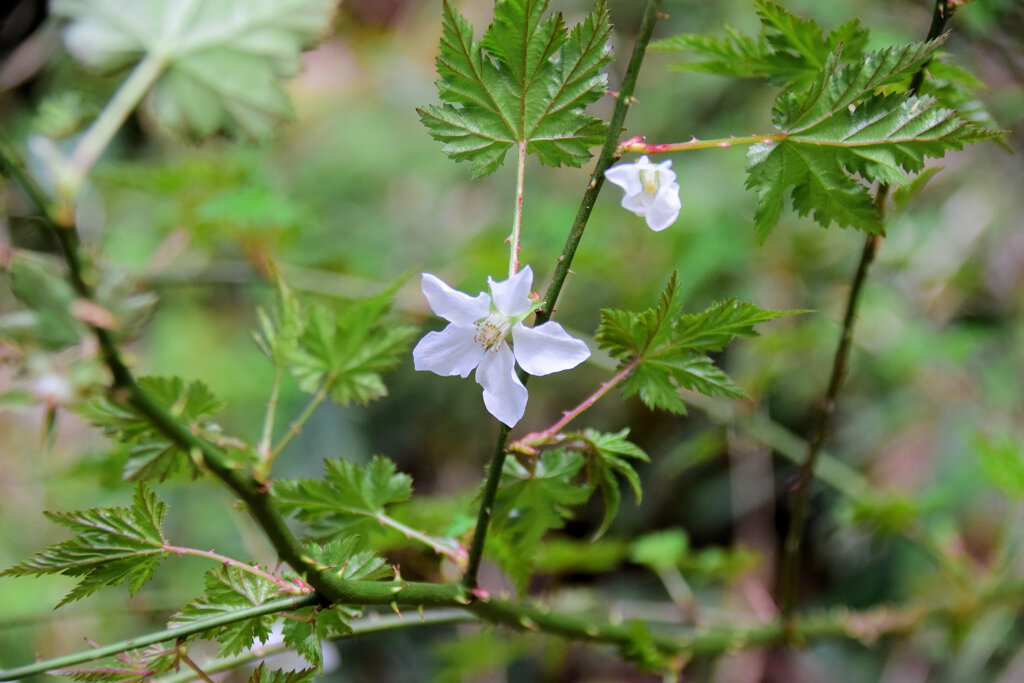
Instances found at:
x=354 y=195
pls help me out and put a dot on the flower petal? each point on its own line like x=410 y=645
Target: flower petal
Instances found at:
x=453 y=305
x=664 y=211
x=452 y=351
x=512 y=296
x=639 y=204
x=666 y=176
x=626 y=176
x=504 y=395
x=547 y=348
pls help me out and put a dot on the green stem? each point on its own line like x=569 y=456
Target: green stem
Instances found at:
x=607 y=158
x=95 y=140
x=265 y=449
x=272 y=607
x=637 y=144
x=792 y=545
x=801 y=488
x=296 y=426
x=476 y=546
x=609 y=155
x=517 y=219
x=284 y=585
x=374 y=624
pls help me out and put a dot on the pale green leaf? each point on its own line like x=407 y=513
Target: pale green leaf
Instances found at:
x=223 y=61
x=111 y=545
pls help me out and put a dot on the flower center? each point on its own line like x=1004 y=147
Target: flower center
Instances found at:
x=650 y=179
x=491 y=331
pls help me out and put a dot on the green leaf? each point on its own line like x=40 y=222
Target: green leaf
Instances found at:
x=230 y=589
x=660 y=550
x=263 y=675
x=609 y=453
x=349 y=498
x=343 y=353
x=1002 y=461
x=152 y=454
x=527 y=81
x=669 y=349
x=839 y=129
x=305 y=630
x=341 y=555
x=278 y=334
x=42 y=286
x=532 y=501
x=789 y=50
x=111 y=545
x=223 y=61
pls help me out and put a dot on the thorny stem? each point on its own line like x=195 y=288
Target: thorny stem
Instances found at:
x=272 y=607
x=517 y=219
x=801 y=486
x=538 y=438
x=372 y=624
x=182 y=651
x=296 y=426
x=264 y=450
x=637 y=144
x=284 y=584
x=792 y=545
x=607 y=158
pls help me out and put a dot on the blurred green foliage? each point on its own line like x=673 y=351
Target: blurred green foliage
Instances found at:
x=354 y=194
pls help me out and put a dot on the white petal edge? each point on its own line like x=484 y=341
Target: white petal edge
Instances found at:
x=665 y=209
x=452 y=351
x=547 y=348
x=504 y=395
x=451 y=304
x=512 y=296
x=626 y=176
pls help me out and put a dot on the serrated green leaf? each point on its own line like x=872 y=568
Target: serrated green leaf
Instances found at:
x=304 y=631
x=343 y=557
x=790 y=50
x=152 y=454
x=135 y=666
x=230 y=589
x=344 y=352
x=111 y=545
x=839 y=133
x=527 y=81
x=668 y=350
x=221 y=62
x=609 y=453
x=348 y=499
x=530 y=502
x=264 y=675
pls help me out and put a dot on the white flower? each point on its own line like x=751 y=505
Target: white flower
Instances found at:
x=651 y=190
x=477 y=338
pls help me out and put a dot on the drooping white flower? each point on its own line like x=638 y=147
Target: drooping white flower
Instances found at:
x=651 y=190
x=478 y=337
